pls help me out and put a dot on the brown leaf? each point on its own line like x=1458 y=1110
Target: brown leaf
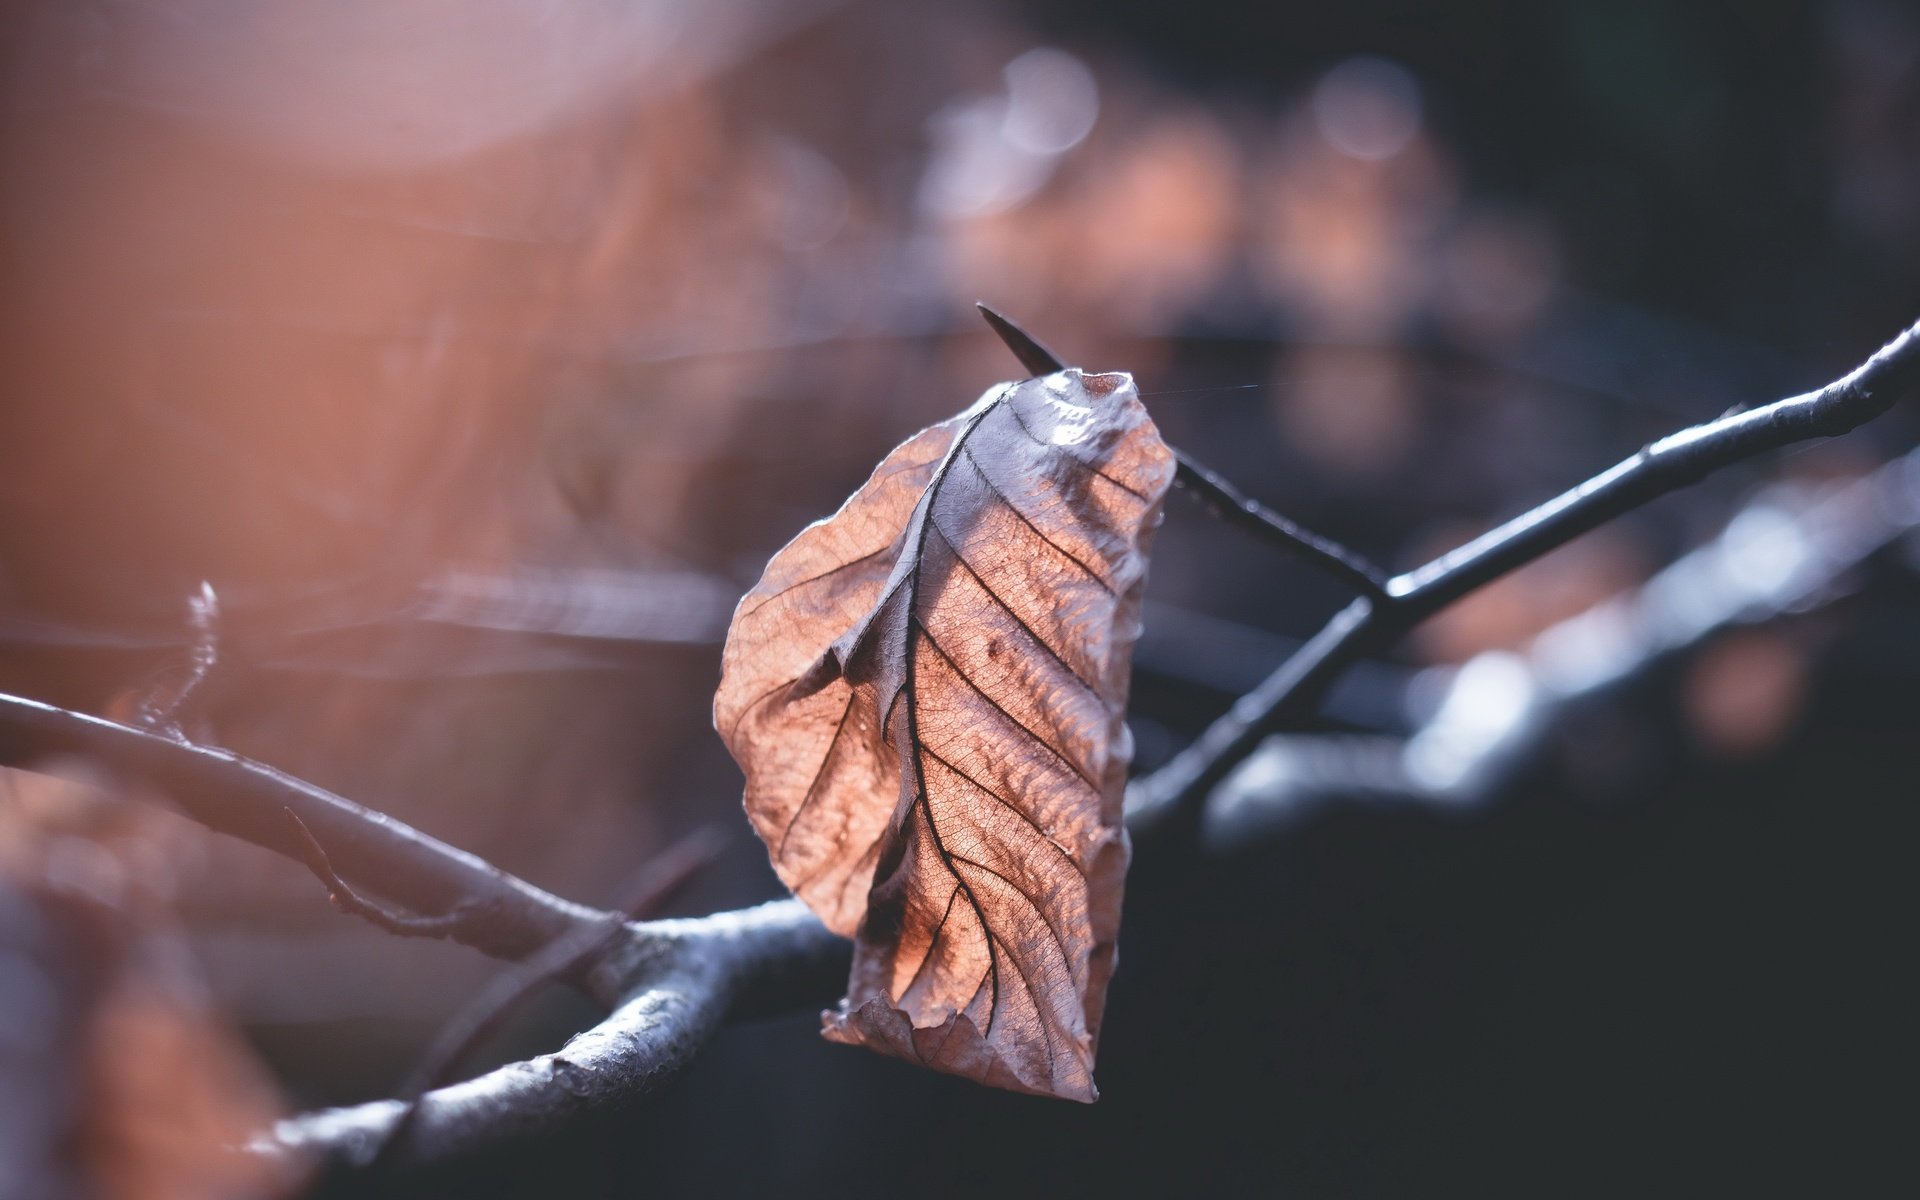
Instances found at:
x=926 y=693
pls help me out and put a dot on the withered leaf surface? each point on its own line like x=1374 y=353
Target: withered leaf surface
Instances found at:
x=926 y=692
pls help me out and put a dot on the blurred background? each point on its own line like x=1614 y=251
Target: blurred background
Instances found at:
x=478 y=353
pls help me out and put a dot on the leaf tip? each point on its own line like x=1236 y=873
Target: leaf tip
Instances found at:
x=1032 y=355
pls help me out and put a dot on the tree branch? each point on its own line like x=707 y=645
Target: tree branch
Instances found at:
x=697 y=973
x=1238 y=509
x=656 y=880
x=510 y=918
x=674 y=982
x=1172 y=797
x=1491 y=724
x=678 y=1008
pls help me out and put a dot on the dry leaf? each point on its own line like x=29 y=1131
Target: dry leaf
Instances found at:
x=926 y=692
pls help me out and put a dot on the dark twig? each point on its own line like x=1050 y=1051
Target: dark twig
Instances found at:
x=1844 y=529
x=1235 y=508
x=1221 y=498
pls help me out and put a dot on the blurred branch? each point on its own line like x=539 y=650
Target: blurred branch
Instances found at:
x=1204 y=654
x=1173 y=796
x=1785 y=552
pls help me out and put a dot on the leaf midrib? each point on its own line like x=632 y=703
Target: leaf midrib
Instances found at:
x=914 y=629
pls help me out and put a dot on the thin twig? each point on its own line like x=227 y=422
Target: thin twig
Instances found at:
x=1221 y=498
x=1242 y=511
x=248 y=800
x=1031 y=354
x=342 y=896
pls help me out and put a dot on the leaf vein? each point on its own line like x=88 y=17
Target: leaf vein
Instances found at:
x=1010 y=805
x=1009 y=610
x=1024 y=519
x=934 y=943
x=1089 y=464
x=813 y=788
x=1059 y=943
x=976 y=689
x=1046 y=1030
x=797 y=584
